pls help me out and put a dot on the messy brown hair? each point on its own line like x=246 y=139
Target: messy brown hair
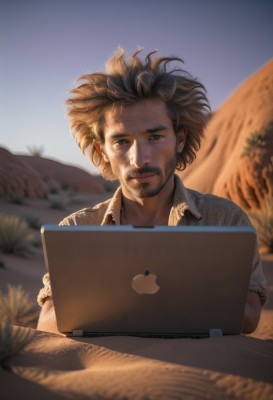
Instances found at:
x=128 y=81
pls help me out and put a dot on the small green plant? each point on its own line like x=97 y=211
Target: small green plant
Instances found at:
x=16 y=308
x=15 y=235
x=263 y=221
x=12 y=340
x=254 y=141
x=36 y=151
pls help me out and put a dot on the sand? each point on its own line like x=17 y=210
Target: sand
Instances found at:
x=134 y=368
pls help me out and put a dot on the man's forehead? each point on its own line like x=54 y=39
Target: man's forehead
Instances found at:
x=143 y=111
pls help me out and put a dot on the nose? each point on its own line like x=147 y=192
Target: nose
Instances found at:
x=139 y=154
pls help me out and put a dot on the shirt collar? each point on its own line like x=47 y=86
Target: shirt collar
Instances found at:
x=113 y=212
x=182 y=201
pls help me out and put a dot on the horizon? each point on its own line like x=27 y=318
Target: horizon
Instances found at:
x=46 y=46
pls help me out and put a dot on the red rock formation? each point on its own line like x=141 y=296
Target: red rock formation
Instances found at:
x=220 y=167
x=59 y=176
x=250 y=179
x=17 y=179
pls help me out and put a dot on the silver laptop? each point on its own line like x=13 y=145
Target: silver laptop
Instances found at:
x=149 y=281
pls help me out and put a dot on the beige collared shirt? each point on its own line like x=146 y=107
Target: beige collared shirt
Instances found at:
x=189 y=208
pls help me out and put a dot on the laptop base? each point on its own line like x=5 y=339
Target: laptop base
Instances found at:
x=212 y=333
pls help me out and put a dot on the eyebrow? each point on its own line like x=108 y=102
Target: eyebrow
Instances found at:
x=117 y=135
x=159 y=128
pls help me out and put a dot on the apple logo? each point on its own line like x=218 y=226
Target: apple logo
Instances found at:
x=145 y=283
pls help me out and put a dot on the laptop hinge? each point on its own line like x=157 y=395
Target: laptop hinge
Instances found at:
x=77 y=332
x=213 y=332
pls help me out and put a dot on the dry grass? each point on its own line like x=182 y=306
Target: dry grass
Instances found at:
x=257 y=140
x=16 y=308
x=15 y=235
x=33 y=221
x=36 y=151
x=254 y=141
x=12 y=340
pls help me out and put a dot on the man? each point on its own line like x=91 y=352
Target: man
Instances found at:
x=140 y=121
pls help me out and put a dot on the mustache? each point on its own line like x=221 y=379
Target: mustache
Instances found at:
x=133 y=173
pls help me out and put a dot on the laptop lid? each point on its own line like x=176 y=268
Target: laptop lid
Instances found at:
x=165 y=281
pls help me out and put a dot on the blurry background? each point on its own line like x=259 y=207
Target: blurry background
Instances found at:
x=45 y=46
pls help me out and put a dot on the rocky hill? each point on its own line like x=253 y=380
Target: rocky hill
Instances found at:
x=35 y=177
x=236 y=156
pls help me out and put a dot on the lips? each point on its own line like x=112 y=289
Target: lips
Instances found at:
x=143 y=176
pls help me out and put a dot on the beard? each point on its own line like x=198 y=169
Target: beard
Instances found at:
x=147 y=189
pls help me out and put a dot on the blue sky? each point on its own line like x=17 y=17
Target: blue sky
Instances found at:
x=46 y=45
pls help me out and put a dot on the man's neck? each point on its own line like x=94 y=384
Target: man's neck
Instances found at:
x=148 y=211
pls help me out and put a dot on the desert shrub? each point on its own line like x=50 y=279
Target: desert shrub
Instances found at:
x=36 y=239
x=53 y=188
x=16 y=308
x=65 y=186
x=254 y=141
x=77 y=200
x=57 y=203
x=18 y=200
x=12 y=340
x=15 y=235
x=33 y=221
x=36 y=151
x=263 y=221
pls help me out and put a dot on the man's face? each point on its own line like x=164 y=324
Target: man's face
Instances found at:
x=141 y=146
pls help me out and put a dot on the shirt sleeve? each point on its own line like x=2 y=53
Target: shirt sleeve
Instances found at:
x=45 y=292
x=257 y=280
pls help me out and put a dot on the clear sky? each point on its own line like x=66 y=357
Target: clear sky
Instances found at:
x=46 y=45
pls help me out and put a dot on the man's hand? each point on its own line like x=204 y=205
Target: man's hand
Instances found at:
x=252 y=312
x=47 y=320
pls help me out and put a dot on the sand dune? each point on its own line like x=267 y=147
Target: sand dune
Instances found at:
x=137 y=368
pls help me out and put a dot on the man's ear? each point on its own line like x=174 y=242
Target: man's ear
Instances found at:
x=181 y=140
x=101 y=151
